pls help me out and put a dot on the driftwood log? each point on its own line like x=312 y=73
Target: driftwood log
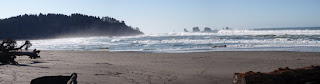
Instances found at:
x=9 y=51
x=307 y=75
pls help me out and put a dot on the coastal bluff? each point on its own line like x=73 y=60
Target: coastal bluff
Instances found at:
x=43 y=26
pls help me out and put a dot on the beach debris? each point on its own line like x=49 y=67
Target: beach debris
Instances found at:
x=9 y=51
x=56 y=79
x=307 y=75
x=219 y=46
x=104 y=48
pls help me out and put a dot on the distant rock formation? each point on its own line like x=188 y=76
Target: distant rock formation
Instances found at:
x=185 y=30
x=227 y=28
x=195 y=29
x=207 y=29
x=59 y=25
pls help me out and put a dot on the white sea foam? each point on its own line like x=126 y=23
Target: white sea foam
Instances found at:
x=285 y=40
x=269 y=32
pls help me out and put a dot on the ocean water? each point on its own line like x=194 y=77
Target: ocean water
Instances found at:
x=272 y=39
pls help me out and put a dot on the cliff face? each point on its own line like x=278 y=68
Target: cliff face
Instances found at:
x=58 y=25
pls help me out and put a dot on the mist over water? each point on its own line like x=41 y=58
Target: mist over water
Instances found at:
x=276 y=39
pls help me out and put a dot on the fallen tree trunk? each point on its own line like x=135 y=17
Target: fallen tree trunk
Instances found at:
x=307 y=75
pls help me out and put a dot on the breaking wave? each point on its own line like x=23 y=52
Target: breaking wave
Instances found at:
x=235 y=40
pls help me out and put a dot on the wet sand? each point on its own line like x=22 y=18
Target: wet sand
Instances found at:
x=102 y=67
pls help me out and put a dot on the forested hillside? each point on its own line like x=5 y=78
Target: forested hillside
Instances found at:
x=58 y=25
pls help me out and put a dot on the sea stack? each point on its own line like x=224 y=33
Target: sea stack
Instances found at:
x=207 y=29
x=185 y=30
x=195 y=29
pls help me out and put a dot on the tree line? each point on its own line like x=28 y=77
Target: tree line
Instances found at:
x=40 y=26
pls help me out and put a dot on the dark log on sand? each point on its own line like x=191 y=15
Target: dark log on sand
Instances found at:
x=56 y=80
x=307 y=75
x=219 y=46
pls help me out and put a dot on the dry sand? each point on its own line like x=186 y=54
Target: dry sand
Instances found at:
x=102 y=67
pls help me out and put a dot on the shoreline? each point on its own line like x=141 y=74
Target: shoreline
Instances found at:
x=129 y=67
x=101 y=50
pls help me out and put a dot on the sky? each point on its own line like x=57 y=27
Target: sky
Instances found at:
x=161 y=16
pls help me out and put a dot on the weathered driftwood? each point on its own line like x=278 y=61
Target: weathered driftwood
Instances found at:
x=9 y=51
x=219 y=46
x=307 y=75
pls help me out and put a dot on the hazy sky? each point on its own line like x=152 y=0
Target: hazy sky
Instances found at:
x=155 y=16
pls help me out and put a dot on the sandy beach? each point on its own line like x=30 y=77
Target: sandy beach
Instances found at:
x=103 y=67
